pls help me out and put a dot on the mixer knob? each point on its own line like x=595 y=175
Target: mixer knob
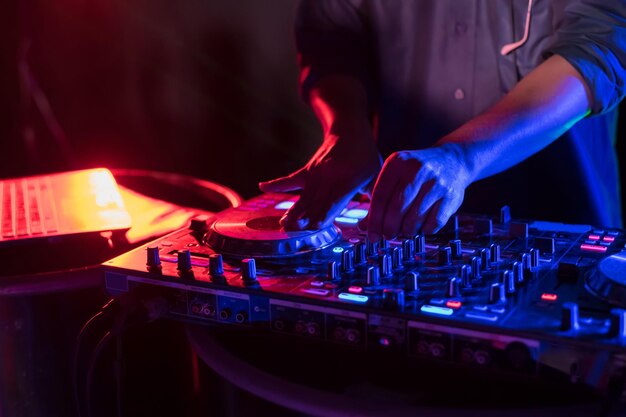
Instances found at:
x=386 y=265
x=534 y=258
x=372 y=248
x=419 y=243
x=465 y=273
x=485 y=258
x=497 y=293
x=477 y=267
x=518 y=273
x=184 y=262
x=396 y=258
x=393 y=299
x=153 y=261
x=617 y=328
x=412 y=281
x=494 y=252
x=248 y=270
x=569 y=317
x=373 y=276
x=333 y=270
x=360 y=254
x=347 y=260
x=455 y=247
x=216 y=264
x=453 y=289
x=508 y=279
x=445 y=256
x=408 y=249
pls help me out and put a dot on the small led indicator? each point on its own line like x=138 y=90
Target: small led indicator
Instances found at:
x=441 y=311
x=383 y=341
x=353 y=297
x=454 y=304
x=284 y=205
x=593 y=248
x=549 y=297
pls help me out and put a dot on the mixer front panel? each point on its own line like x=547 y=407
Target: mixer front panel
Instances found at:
x=489 y=293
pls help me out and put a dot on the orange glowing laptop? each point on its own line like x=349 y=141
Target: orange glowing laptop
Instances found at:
x=62 y=204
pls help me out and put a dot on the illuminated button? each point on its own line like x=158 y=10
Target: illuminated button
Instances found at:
x=481 y=316
x=317 y=283
x=593 y=248
x=599 y=232
x=355 y=290
x=613 y=233
x=346 y=220
x=498 y=310
x=441 y=311
x=438 y=301
x=549 y=297
x=481 y=307
x=338 y=250
x=330 y=285
x=315 y=291
x=605 y=244
x=355 y=298
x=453 y=304
x=594 y=237
x=284 y=205
x=356 y=213
x=591 y=242
x=608 y=239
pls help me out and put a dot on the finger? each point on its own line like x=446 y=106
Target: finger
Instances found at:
x=297 y=217
x=399 y=204
x=414 y=217
x=327 y=207
x=439 y=214
x=292 y=182
x=383 y=189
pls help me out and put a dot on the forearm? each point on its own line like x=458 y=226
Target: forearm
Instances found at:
x=546 y=103
x=340 y=104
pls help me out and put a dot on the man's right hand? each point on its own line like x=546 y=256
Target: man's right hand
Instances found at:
x=344 y=165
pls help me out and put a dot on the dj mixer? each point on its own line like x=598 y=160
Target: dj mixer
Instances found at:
x=489 y=293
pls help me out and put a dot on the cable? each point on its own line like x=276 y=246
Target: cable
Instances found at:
x=76 y=352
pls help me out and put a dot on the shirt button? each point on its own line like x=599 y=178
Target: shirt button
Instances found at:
x=460 y=28
x=459 y=94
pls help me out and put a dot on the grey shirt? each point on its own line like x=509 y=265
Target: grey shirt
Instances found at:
x=431 y=65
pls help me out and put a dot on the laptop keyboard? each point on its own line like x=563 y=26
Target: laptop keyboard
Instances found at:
x=27 y=208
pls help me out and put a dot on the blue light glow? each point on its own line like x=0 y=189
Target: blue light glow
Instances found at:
x=356 y=213
x=284 y=205
x=441 y=311
x=338 y=249
x=346 y=220
x=353 y=297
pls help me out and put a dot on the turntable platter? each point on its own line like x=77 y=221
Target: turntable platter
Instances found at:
x=259 y=234
x=608 y=280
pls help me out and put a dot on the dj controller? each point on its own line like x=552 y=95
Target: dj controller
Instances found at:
x=489 y=293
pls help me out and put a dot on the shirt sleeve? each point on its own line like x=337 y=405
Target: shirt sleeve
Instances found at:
x=592 y=37
x=332 y=38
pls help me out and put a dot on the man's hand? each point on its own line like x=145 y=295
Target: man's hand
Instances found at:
x=417 y=191
x=340 y=168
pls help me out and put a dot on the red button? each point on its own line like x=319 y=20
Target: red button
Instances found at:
x=594 y=237
x=593 y=248
x=549 y=297
x=454 y=304
x=355 y=290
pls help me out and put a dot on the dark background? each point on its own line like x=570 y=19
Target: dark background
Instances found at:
x=207 y=88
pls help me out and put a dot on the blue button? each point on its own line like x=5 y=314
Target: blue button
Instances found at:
x=438 y=301
x=356 y=213
x=481 y=316
x=284 y=205
x=442 y=311
x=315 y=291
x=346 y=220
x=353 y=297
